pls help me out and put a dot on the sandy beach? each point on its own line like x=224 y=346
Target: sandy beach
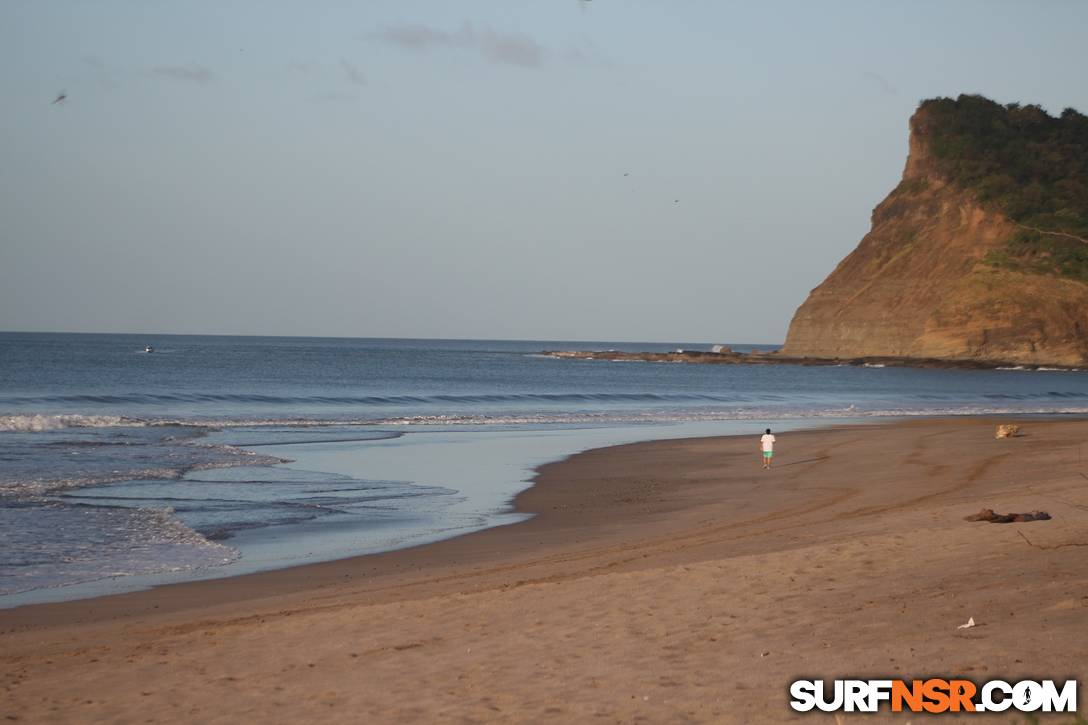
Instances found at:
x=666 y=581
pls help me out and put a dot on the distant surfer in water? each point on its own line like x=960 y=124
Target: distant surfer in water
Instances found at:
x=766 y=445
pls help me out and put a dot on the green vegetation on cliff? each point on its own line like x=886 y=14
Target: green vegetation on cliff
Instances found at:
x=1031 y=166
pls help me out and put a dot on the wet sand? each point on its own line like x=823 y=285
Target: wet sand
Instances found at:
x=667 y=581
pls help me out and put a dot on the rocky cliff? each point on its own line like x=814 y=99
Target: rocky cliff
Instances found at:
x=933 y=278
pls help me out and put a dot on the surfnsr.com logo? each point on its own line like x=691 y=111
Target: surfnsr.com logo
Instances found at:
x=933 y=695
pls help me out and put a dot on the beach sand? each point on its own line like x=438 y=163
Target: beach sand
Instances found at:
x=665 y=582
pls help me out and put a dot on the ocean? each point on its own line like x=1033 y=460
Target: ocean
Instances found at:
x=218 y=455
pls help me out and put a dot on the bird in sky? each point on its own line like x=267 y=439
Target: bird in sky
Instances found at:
x=61 y=97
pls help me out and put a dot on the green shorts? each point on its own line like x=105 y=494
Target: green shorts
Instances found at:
x=768 y=454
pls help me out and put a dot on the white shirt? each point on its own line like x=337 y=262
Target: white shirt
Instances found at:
x=767 y=441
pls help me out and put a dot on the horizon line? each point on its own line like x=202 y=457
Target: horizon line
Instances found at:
x=377 y=337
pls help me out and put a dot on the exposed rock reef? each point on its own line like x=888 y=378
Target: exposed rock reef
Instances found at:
x=927 y=281
x=774 y=358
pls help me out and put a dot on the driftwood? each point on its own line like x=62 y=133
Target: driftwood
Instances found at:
x=996 y=518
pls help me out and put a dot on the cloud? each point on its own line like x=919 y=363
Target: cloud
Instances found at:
x=507 y=48
x=514 y=49
x=192 y=73
x=416 y=36
x=354 y=75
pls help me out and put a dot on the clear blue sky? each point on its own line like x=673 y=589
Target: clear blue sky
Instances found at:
x=440 y=169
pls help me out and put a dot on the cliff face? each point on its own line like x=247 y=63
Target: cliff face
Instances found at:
x=918 y=285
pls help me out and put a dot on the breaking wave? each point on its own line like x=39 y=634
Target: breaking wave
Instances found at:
x=1016 y=405
x=177 y=460
x=39 y=423
x=160 y=398
x=723 y=415
x=631 y=417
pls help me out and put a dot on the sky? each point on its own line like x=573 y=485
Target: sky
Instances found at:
x=558 y=170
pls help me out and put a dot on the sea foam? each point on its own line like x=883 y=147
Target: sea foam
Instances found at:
x=39 y=423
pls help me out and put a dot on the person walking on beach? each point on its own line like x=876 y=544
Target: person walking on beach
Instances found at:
x=766 y=445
